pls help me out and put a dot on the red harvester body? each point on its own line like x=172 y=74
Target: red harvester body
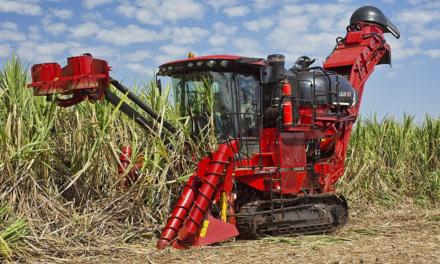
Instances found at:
x=283 y=133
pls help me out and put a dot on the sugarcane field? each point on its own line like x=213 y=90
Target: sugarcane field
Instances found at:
x=219 y=131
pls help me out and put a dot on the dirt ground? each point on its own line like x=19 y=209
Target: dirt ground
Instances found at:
x=398 y=235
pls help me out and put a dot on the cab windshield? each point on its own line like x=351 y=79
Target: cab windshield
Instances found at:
x=228 y=101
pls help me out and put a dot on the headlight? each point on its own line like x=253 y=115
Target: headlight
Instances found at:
x=224 y=63
x=211 y=63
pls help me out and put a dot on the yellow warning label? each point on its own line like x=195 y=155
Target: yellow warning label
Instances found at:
x=204 y=228
x=224 y=207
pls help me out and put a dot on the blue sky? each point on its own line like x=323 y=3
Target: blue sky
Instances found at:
x=136 y=36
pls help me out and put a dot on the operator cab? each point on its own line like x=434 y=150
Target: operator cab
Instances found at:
x=221 y=90
x=230 y=93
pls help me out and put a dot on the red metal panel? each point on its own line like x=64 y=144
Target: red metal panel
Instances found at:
x=354 y=38
x=216 y=231
x=292 y=161
x=81 y=73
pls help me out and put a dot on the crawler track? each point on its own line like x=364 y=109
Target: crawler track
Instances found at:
x=302 y=215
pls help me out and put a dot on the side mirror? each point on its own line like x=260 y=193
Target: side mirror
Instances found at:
x=159 y=85
x=266 y=74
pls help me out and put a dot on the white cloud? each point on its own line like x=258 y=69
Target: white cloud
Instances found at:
x=216 y=4
x=171 y=52
x=264 y=4
x=317 y=10
x=97 y=18
x=424 y=35
x=154 y=12
x=84 y=30
x=248 y=47
x=403 y=53
x=163 y=58
x=296 y=23
x=421 y=33
x=34 y=33
x=126 y=9
x=416 y=2
x=288 y=31
x=11 y=35
x=188 y=35
x=316 y=45
x=399 y=49
x=9 y=25
x=56 y=28
x=221 y=27
x=5 y=50
x=335 y=24
x=175 y=50
x=245 y=43
x=236 y=11
x=217 y=40
x=308 y=29
x=20 y=7
x=102 y=51
x=128 y=35
x=418 y=17
x=177 y=9
x=222 y=34
x=61 y=13
x=259 y=24
x=147 y=16
x=140 y=68
x=433 y=53
x=136 y=56
x=41 y=52
x=90 y=4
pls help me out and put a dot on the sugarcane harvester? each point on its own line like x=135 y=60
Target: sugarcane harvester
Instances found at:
x=282 y=133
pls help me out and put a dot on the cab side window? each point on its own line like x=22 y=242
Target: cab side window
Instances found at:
x=248 y=89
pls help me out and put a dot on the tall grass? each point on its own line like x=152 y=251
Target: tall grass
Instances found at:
x=12 y=232
x=58 y=166
x=392 y=160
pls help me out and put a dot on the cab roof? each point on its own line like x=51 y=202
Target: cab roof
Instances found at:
x=232 y=63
